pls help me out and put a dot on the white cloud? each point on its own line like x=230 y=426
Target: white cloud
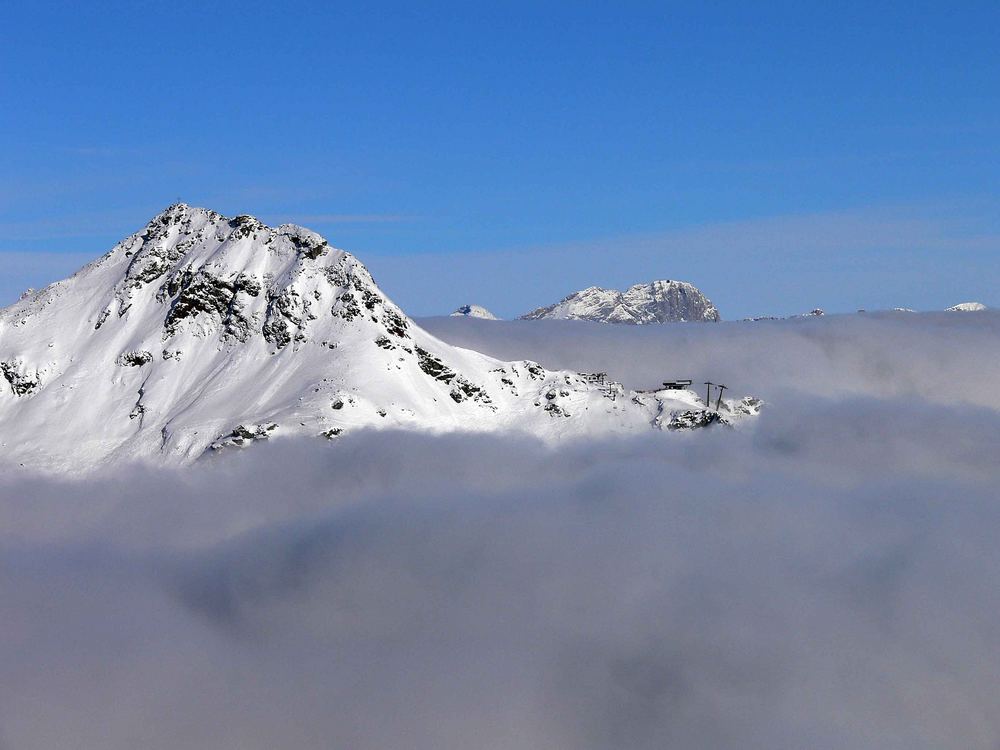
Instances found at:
x=309 y=220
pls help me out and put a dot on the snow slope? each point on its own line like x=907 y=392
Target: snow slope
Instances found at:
x=474 y=311
x=203 y=332
x=657 y=302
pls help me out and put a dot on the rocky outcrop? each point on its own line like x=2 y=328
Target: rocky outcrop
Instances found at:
x=462 y=388
x=22 y=382
x=134 y=358
x=192 y=293
x=242 y=435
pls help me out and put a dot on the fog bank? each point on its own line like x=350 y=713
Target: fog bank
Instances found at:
x=828 y=579
x=947 y=358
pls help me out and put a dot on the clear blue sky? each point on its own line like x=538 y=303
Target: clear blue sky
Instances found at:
x=779 y=155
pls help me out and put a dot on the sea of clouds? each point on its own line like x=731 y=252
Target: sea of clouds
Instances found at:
x=827 y=579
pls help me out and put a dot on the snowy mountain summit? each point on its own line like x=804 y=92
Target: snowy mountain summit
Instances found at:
x=202 y=333
x=657 y=302
x=967 y=307
x=474 y=311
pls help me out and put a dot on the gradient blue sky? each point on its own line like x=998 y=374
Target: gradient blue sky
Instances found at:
x=778 y=155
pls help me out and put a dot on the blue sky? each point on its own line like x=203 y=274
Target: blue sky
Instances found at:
x=779 y=155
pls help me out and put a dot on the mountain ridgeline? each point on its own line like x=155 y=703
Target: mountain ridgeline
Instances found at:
x=657 y=302
x=203 y=333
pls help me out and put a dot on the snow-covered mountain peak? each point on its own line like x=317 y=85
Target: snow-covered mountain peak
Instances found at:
x=203 y=331
x=660 y=301
x=196 y=270
x=967 y=307
x=474 y=311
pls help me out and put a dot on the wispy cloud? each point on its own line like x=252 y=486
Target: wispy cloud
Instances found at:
x=906 y=228
x=879 y=257
x=20 y=270
x=115 y=224
x=321 y=219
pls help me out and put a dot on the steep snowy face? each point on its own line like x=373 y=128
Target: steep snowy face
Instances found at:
x=657 y=302
x=474 y=311
x=203 y=332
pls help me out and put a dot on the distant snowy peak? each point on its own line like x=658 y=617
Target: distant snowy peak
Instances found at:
x=967 y=307
x=474 y=311
x=662 y=301
x=816 y=312
x=202 y=332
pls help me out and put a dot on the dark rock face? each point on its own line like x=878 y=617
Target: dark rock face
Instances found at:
x=308 y=247
x=135 y=359
x=193 y=293
x=434 y=366
x=286 y=313
x=554 y=410
x=244 y=435
x=691 y=419
x=153 y=253
x=21 y=382
x=361 y=298
x=395 y=323
x=462 y=389
x=348 y=308
x=245 y=226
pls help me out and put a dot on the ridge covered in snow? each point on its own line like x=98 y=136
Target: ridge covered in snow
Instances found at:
x=474 y=311
x=966 y=307
x=203 y=332
x=662 y=301
x=816 y=312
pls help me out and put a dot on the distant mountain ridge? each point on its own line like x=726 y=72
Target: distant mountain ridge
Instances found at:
x=967 y=307
x=663 y=301
x=816 y=312
x=474 y=311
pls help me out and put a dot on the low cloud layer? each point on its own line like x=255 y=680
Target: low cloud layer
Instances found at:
x=826 y=580
x=945 y=358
